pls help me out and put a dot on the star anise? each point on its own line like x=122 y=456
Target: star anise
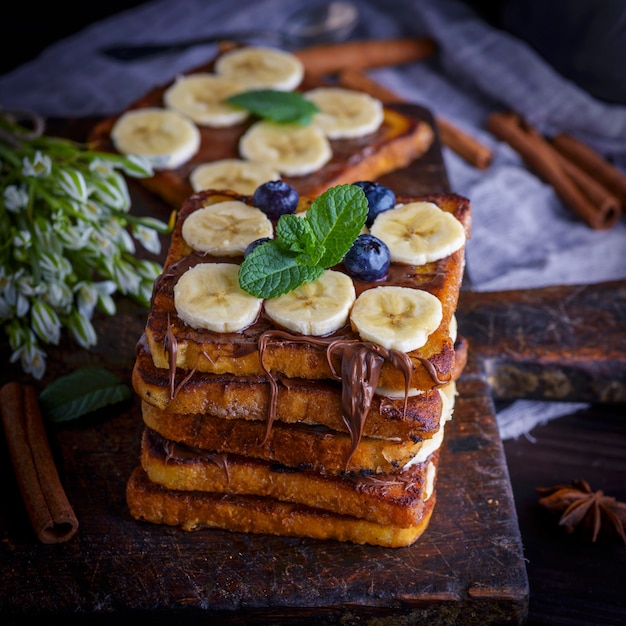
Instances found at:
x=585 y=512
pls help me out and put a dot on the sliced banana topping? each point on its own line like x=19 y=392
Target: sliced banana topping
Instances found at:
x=209 y=296
x=316 y=308
x=203 y=98
x=165 y=137
x=397 y=318
x=237 y=174
x=419 y=232
x=225 y=228
x=258 y=67
x=292 y=149
x=344 y=113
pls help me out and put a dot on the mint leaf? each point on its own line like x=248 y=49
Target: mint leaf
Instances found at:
x=278 y=106
x=295 y=234
x=268 y=271
x=81 y=392
x=305 y=246
x=337 y=217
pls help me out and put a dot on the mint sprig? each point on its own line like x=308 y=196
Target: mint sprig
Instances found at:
x=283 y=107
x=305 y=246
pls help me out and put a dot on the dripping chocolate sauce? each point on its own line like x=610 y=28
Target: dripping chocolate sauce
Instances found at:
x=361 y=361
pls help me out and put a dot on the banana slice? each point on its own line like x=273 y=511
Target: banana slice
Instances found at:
x=344 y=113
x=203 y=99
x=258 y=67
x=236 y=174
x=397 y=318
x=418 y=232
x=292 y=149
x=225 y=228
x=316 y=308
x=165 y=137
x=209 y=296
x=397 y=394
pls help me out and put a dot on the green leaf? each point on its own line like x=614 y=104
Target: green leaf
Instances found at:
x=337 y=217
x=278 y=106
x=268 y=271
x=305 y=246
x=294 y=234
x=82 y=392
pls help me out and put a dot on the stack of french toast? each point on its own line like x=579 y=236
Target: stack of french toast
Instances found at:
x=314 y=410
x=299 y=359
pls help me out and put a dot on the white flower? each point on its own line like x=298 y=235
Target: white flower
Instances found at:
x=22 y=239
x=16 y=300
x=59 y=296
x=105 y=290
x=32 y=359
x=24 y=284
x=101 y=168
x=39 y=167
x=102 y=245
x=45 y=322
x=148 y=238
x=72 y=182
x=112 y=191
x=82 y=330
x=148 y=269
x=90 y=210
x=15 y=198
x=86 y=298
x=125 y=276
x=76 y=237
x=54 y=266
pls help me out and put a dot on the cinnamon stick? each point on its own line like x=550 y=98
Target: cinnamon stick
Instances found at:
x=470 y=149
x=595 y=205
x=593 y=163
x=324 y=59
x=50 y=513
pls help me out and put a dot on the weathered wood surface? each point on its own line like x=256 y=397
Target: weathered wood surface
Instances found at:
x=467 y=568
x=565 y=343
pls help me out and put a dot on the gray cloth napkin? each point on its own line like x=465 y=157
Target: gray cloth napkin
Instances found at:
x=523 y=236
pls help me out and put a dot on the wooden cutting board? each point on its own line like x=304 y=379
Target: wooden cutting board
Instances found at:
x=467 y=568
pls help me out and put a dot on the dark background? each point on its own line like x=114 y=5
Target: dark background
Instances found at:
x=26 y=29
x=585 y=40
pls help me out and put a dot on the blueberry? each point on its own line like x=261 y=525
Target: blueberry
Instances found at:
x=368 y=259
x=379 y=199
x=253 y=244
x=276 y=198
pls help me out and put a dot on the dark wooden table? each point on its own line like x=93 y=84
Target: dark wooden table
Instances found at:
x=570 y=582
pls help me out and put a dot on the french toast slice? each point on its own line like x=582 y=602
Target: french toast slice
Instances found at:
x=296 y=356
x=295 y=445
x=296 y=401
x=400 y=140
x=395 y=499
x=191 y=510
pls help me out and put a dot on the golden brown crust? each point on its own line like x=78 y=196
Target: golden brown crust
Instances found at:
x=297 y=401
x=395 y=498
x=192 y=510
x=309 y=447
x=237 y=353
